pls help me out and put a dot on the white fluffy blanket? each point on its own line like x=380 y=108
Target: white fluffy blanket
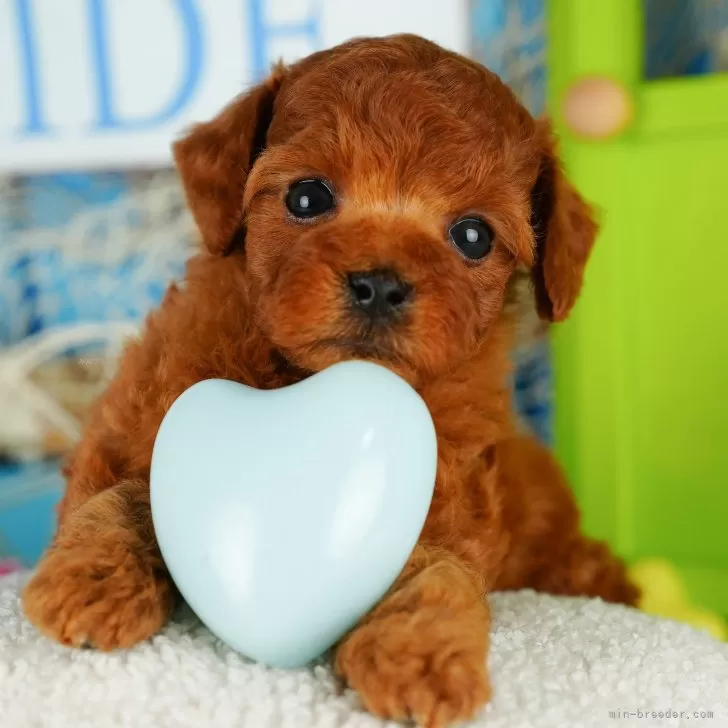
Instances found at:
x=555 y=663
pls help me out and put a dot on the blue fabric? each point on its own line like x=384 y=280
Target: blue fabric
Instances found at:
x=42 y=286
x=681 y=36
x=29 y=494
x=509 y=38
x=533 y=388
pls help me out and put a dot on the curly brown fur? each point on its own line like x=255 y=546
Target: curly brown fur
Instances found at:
x=410 y=137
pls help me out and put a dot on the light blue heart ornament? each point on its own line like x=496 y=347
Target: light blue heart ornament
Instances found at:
x=285 y=515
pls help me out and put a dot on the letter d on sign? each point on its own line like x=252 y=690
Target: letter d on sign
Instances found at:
x=192 y=46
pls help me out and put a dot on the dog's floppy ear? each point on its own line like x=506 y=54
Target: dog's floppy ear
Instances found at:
x=565 y=230
x=214 y=160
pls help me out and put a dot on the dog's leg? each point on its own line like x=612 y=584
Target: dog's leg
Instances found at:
x=584 y=567
x=548 y=551
x=422 y=652
x=103 y=582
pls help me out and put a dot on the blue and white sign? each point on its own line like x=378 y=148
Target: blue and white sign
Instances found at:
x=93 y=84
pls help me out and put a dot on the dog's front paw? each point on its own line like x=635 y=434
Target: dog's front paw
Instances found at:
x=103 y=597
x=426 y=666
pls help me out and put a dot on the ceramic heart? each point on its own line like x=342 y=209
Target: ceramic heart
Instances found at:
x=285 y=515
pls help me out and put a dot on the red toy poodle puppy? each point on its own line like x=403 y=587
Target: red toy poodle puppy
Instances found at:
x=377 y=200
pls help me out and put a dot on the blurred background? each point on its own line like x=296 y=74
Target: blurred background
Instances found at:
x=631 y=392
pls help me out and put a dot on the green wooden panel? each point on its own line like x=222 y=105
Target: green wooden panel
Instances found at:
x=690 y=106
x=678 y=384
x=592 y=353
x=642 y=366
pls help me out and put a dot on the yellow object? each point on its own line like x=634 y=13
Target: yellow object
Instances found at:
x=664 y=595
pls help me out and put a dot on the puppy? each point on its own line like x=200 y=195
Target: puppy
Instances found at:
x=373 y=201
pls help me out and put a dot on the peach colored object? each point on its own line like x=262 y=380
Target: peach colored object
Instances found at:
x=597 y=108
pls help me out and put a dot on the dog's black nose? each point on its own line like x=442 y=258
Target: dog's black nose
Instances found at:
x=380 y=294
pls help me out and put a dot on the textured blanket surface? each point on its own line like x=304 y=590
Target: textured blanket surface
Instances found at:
x=555 y=663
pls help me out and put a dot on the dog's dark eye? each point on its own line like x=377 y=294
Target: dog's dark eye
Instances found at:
x=309 y=198
x=473 y=237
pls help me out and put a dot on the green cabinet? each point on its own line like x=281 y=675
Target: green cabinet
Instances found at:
x=642 y=365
